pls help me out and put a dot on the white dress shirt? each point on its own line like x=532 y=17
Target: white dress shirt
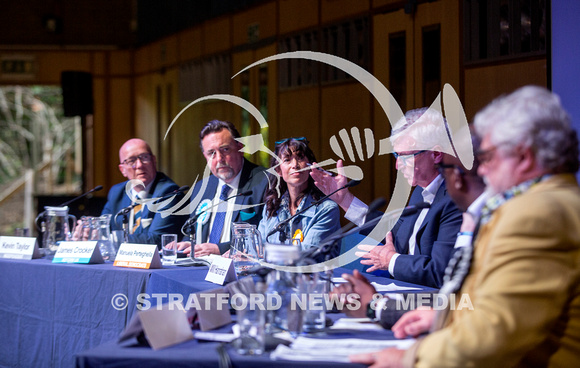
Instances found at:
x=216 y=200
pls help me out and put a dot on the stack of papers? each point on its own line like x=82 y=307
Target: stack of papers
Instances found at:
x=379 y=287
x=358 y=324
x=333 y=350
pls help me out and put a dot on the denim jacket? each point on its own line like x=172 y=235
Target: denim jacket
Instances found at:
x=316 y=223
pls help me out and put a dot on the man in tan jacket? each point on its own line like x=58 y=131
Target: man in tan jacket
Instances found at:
x=524 y=281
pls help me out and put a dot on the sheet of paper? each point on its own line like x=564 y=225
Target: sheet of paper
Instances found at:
x=359 y=324
x=213 y=336
x=392 y=287
x=333 y=350
x=379 y=287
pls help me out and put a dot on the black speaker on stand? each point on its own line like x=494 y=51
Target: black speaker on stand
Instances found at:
x=77 y=100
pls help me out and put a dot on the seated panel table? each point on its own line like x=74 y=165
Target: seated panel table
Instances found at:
x=50 y=311
x=204 y=354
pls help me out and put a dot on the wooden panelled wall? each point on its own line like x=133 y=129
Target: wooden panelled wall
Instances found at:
x=137 y=91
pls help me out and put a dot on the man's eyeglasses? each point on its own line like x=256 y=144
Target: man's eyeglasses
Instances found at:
x=406 y=156
x=144 y=158
x=282 y=141
x=441 y=168
x=484 y=156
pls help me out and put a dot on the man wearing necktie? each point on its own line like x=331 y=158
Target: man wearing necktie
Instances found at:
x=231 y=176
x=524 y=281
x=467 y=190
x=420 y=245
x=137 y=161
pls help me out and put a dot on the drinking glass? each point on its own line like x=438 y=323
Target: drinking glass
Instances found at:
x=169 y=252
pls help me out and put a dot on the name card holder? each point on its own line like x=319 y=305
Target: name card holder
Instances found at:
x=143 y=256
x=162 y=327
x=19 y=247
x=83 y=252
x=221 y=271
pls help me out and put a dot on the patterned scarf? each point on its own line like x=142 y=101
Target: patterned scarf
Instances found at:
x=497 y=200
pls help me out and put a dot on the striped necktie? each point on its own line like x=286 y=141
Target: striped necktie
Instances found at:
x=220 y=217
x=137 y=210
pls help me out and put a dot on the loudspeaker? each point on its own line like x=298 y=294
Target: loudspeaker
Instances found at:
x=77 y=93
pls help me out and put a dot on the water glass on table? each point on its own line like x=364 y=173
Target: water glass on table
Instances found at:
x=315 y=289
x=250 y=324
x=169 y=248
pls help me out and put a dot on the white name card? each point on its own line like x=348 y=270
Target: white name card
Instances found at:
x=18 y=247
x=138 y=256
x=78 y=252
x=163 y=326
x=221 y=271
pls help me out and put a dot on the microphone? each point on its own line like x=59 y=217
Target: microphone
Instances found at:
x=282 y=224
x=128 y=209
x=325 y=245
x=409 y=210
x=192 y=219
x=182 y=189
x=95 y=189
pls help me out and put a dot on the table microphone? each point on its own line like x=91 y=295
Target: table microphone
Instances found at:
x=325 y=246
x=281 y=224
x=409 y=210
x=192 y=219
x=95 y=189
x=128 y=209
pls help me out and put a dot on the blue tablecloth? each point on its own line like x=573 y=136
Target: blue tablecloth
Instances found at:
x=50 y=311
x=198 y=353
x=194 y=353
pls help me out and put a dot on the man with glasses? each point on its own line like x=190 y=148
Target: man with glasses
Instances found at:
x=137 y=161
x=223 y=199
x=467 y=190
x=524 y=281
x=419 y=246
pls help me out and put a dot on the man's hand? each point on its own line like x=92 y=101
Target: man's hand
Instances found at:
x=203 y=249
x=377 y=256
x=357 y=284
x=328 y=184
x=414 y=323
x=386 y=358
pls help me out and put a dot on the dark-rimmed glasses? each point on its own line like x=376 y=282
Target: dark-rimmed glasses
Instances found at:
x=407 y=156
x=484 y=156
x=441 y=168
x=144 y=158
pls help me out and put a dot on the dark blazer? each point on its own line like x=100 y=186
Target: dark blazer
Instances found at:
x=151 y=234
x=253 y=178
x=435 y=240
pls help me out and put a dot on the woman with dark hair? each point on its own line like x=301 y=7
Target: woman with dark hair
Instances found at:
x=293 y=190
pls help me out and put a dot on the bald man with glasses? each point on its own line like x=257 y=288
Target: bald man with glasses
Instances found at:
x=137 y=161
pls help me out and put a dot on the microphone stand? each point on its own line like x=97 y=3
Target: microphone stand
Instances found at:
x=188 y=229
x=281 y=227
x=125 y=211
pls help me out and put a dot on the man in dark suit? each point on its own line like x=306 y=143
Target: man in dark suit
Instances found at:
x=137 y=161
x=419 y=247
x=467 y=190
x=232 y=175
